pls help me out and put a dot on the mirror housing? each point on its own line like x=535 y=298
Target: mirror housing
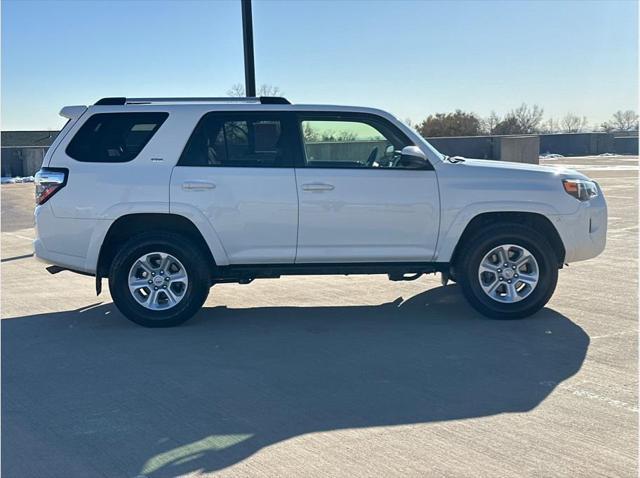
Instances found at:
x=414 y=152
x=412 y=157
x=390 y=150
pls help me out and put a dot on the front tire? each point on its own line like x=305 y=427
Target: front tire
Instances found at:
x=159 y=279
x=508 y=271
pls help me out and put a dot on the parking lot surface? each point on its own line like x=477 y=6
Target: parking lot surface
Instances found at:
x=325 y=376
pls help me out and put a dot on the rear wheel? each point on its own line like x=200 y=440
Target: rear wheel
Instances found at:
x=508 y=271
x=159 y=279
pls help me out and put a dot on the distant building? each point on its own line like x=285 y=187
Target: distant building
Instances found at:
x=23 y=151
x=27 y=138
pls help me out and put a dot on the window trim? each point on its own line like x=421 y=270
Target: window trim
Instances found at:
x=287 y=126
x=368 y=118
x=163 y=114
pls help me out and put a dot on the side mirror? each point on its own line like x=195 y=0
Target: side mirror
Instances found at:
x=389 y=151
x=412 y=157
x=413 y=152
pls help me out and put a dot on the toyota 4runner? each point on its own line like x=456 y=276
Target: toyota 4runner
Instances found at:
x=166 y=197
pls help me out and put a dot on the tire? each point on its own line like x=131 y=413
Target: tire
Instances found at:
x=501 y=300
x=187 y=292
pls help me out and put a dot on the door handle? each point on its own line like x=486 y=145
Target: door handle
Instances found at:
x=318 y=187
x=197 y=185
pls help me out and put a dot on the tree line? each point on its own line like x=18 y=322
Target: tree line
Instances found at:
x=524 y=119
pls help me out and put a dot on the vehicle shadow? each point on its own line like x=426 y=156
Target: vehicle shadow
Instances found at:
x=87 y=392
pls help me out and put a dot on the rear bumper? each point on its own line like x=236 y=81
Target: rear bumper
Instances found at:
x=65 y=242
x=584 y=233
x=73 y=263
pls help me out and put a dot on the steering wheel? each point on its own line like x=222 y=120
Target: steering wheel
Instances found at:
x=372 y=157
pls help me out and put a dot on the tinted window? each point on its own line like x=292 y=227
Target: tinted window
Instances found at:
x=352 y=143
x=238 y=140
x=114 y=137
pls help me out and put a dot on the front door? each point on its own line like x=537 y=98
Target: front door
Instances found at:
x=360 y=200
x=237 y=171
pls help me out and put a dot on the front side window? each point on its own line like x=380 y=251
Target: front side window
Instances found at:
x=346 y=143
x=114 y=137
x=240 y=140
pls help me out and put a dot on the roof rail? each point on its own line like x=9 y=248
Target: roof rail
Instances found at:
x=265 y=100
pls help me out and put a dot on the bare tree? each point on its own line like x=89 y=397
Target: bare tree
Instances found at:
x=607 y=127
x=572 y=123
x=237 y=89
x=310 y=134
x=269 y=90
x=622 y=121
x=527 y=117
x=550 y=126
x=489 y=124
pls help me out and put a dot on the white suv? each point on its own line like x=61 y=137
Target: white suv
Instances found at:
x=168 y=196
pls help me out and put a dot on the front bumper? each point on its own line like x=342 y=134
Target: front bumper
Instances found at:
x=584 y=233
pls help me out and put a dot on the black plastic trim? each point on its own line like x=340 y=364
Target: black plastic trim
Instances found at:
x=274 y=100
x=119 y=100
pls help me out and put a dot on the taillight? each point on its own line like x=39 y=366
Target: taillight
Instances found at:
x=49 y=181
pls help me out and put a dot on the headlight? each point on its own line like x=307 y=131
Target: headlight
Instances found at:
x=580 y=189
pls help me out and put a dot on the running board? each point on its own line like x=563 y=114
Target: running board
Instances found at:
x=398 y=271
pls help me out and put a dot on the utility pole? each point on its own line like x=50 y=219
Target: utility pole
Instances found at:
x=247 y=33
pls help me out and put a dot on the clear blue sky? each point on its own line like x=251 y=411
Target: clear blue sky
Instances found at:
x=411 y=58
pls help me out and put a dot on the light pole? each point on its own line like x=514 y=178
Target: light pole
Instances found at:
x=247 y=34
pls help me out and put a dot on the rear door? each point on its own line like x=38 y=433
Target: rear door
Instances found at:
x=360 y=199
x=237 y=171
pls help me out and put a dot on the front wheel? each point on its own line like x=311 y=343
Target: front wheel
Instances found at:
x=508 y=271
x=159 y=279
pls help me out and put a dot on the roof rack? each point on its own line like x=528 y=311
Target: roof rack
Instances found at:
x=265 y=100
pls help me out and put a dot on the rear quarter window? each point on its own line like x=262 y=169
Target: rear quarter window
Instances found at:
x=114 y=137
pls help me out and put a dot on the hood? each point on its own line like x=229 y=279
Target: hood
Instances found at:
x=505 y=167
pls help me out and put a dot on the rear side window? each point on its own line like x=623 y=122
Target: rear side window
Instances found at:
x=258 y=140
x=114 y=137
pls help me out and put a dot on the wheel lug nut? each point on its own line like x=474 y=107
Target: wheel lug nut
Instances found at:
x=509 y=281
x=513 y=267
x=153 y=273
x=161 y=273
x=166 y=278
x=155 y=288
x=499 y=271
x=150 y=281
x=506 y=265
x=164 y=286
x=500 y=279
x=515 y=276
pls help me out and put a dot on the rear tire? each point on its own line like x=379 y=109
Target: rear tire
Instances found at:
x=513 y=292
x=147 y=294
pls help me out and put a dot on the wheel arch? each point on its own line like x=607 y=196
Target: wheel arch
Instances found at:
x=536 y=221
x=128 y=225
